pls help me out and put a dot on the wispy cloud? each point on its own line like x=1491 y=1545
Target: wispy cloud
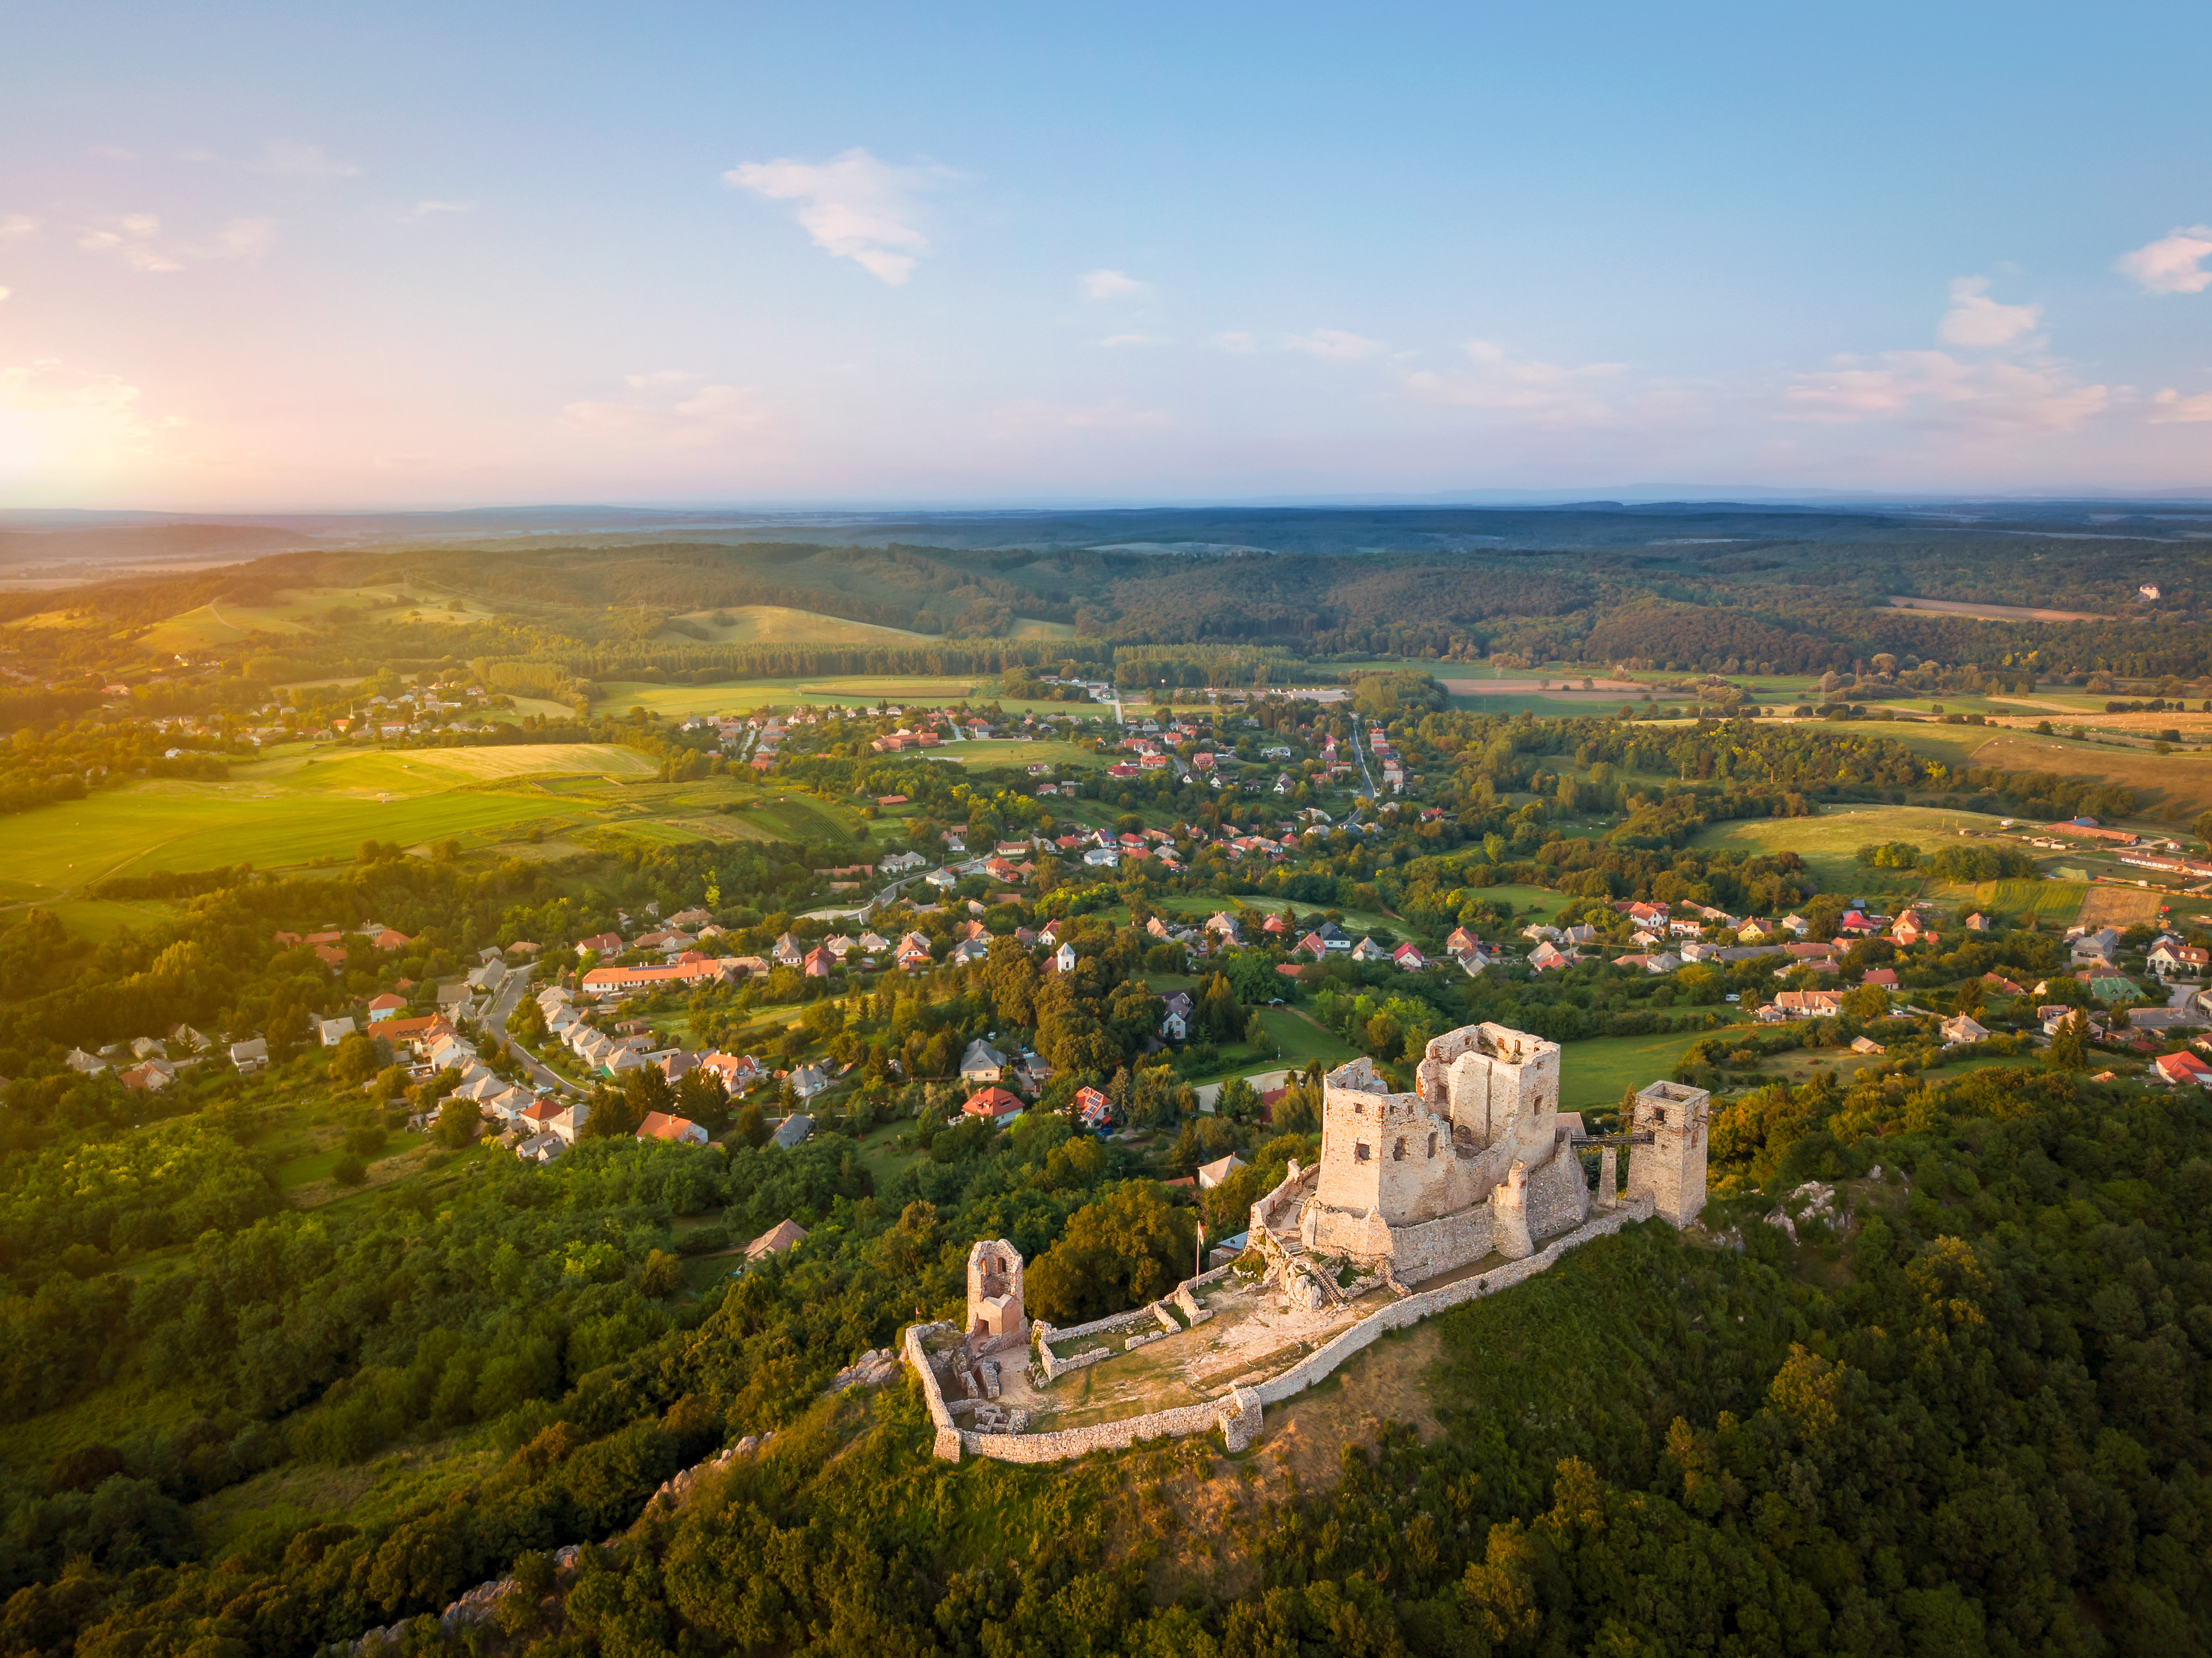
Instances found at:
x=1334 y=343
x=2170 y=408
x=1979 y=322
x=16 y=227
x=1112 y=285
x=2174 y=264
x=1936 y=388
x=1116 y=342
x=1236 y=341
x=136 y=239
x=290 y=158
x=853 y=206
x=423 y=212
x=1527 y=385
x=671 y=409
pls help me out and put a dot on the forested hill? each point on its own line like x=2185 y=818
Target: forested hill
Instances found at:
x=1715 y=589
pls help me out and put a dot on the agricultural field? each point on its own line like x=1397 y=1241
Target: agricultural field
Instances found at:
x=2171 y=788
x=2054 y=902
x=2121 y=907
x=743 y=695
x=1829 y=841
x=305 y=806
x=777 y=624
x=302 y=609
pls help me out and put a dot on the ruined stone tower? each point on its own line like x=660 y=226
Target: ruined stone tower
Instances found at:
x=995 y=1317
x=1671 y=1170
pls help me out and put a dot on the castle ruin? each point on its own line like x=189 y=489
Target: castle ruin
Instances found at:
x=1479 y=1158
x=995 y=1318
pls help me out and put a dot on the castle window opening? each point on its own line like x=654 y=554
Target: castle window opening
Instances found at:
x=1433 y=1146
x=1398 y=1152
x=1360 y=1151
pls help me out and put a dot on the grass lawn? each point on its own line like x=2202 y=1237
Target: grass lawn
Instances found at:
x=1541 y=900
x=1828 y=841
x=1301 y=1040
x=1023 y=752
x=882 y=1155
x=300 y=610
x=1594 y=1074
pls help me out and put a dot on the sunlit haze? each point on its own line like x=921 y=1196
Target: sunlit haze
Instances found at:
x=261 y=257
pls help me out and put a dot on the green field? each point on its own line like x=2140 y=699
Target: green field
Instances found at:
x=304 y=805
x=1828 y=841
x=740 y=696
x=2058 y=902
x=1023 y=752
x=302 y=610
x=777 y=624
x=1594 y=1074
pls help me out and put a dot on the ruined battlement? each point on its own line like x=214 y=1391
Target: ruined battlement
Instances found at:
x=1485 y=1097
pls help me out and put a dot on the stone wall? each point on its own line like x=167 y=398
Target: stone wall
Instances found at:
x=1322 y=1361
x=1238 y=1413
x=1293 y=1187
x=947 y=1442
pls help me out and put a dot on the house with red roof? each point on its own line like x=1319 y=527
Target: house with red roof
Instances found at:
x=995 y=1104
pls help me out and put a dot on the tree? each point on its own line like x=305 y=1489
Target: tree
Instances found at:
x=752 y=1124
x=358 y=1058
x=661 y=1276
x=2070 y=1045
x=1969 y=996
x=1238 y=1100
x=1127 y=1247
x=460 y=1122
x=1218 y=1013
x=1866 y=1002
x=702 y=1097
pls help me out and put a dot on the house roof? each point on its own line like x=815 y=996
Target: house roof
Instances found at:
x=660 y=1126
x=992 y=1102
x=784 y=1235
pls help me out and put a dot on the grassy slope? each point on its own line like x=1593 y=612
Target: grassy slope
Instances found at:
x=300 y=806
x=1828 y=841
x=776 y=625
x=1596 y=1072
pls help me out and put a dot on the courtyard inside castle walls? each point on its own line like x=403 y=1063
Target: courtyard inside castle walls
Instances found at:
x=1469 y=1184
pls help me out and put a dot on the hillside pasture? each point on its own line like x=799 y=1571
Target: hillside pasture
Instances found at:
x=2170 y=787
x=302 y=807
x=779 y=624
x=1829 y=841
x=305 y=610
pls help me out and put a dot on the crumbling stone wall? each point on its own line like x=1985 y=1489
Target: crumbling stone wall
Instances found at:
x=1239 y=1413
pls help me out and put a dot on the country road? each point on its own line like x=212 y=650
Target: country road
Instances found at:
x=542 y=1076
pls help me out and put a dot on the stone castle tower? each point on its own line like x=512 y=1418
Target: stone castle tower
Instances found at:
x=1671 y=1170
x=995 y=1317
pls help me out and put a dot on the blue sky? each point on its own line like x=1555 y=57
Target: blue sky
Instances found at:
x=261 y=257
